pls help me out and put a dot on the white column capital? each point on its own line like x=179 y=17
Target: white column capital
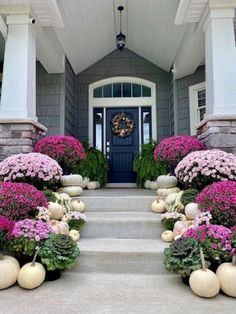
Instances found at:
x=222 y=4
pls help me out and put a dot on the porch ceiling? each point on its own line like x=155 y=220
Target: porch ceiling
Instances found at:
x=90 y=27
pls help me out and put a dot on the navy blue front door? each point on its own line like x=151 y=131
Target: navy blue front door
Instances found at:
x=121 y=150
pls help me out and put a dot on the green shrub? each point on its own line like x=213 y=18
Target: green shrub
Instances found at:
x=189 y=196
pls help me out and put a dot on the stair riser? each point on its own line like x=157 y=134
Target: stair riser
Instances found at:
x=122 y=230
x=118 y=204
x=128 y=263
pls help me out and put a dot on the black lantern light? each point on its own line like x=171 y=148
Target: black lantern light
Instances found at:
x=120 y=38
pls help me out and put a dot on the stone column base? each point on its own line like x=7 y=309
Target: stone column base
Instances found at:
x=19 y=135
x=218 y=132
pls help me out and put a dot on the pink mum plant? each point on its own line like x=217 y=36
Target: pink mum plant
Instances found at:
x=201 y=168
x=220 y=200
x=173 y=149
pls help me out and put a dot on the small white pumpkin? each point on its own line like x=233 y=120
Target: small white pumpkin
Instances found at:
x=167 y=181
x=179 y=227
x=191 y=210
x=78 y=206
x=9 y=268
x=158 y=206
x=74 y=234
x=56 y=210
x=31 y=275
x=71 y=180
x=84 y=182
x=97 y=185
x=153 y=185
x=147 y=184
x=226 y=274
x=59 y=227
x=204 y=282
x=92 y=185
x=72 y=190
x=164 y=192
x=167 y=236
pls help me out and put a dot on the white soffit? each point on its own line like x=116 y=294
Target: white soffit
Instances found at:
x=190 y=11
x=91 y=27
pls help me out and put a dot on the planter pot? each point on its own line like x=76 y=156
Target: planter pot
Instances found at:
x=185 y=280
x=24 y=259
x=52 y=275
x=213 y=267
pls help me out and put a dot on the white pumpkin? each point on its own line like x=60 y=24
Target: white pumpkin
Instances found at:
x=204 y=282
x=78 y=206
x=74 y=234
x=84 y=182
x=226 y=274
x=92 y=185
x=158 y=206
x=179 y=226
x=72 y=190
x=147 y=184
x=71 y=180
x=191 y=210
x=59 y=227
x=167 y=181
x=9 y=268
x=164 y=192
x=153 y=185
x=31 y=275
x=97 y=185
x=167 y=236
x=56 y=210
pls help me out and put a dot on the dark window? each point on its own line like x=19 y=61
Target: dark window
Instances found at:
x=126 y=89
x=117 y=90
x=146 y=91
x=136 y=90
x=107 y=91
x=97 y=93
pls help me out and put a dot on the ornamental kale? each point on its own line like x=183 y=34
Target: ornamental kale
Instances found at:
x=216 y=242
x=66 y=150
x=199 y=169
x=33 y=168
x=59 y=251
x=174 y=149
x=20 y=200
x=183 y=256
x=220 y=200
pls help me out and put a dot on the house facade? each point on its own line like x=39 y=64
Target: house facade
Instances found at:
x=63 y=74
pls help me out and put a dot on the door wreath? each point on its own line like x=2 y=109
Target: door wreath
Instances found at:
x=122 y=125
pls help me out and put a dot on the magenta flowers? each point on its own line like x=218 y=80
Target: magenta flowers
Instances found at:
x=220 y=200
x=20 y=200
x=31 y=168
x=66 y=150
x=173 y=149
x=199 y=169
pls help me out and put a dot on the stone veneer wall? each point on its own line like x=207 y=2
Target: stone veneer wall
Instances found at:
x=18 y=136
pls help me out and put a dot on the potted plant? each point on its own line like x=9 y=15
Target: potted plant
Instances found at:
x=58 y=252
x=168 y=220
x=183 y=257
x=75 y=220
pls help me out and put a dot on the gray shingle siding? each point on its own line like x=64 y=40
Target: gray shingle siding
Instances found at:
x=183 y=98
x=125 y=63
x=70 y=92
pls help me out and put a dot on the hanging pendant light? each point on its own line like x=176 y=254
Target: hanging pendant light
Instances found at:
x=120 y=38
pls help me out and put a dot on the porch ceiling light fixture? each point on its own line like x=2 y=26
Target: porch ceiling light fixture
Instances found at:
x=120 y=38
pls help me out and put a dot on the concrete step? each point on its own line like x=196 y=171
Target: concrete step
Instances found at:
x=131 y=256
x=124 y=225
x=107 y=200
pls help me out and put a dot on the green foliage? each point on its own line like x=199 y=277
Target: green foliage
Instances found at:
x=22 y=246
x=189 y=196
x=75 y=224
x=59 y=251
x=50 y=195
x=146 y=167
x=168 y=223
x=183 y=256
x=94 y=166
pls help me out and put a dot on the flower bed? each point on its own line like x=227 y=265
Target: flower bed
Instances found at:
x=199 y=169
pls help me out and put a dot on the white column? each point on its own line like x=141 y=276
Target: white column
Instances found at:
x=220 y=54
x=19 y=71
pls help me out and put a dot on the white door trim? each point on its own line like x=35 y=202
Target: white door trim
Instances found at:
x=122 y=102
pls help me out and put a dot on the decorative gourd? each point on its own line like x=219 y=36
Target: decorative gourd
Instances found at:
x=97 y=185
x=164 y=192
x=170 y=198
x=204 y=282
x=56 y=210
x=191 y=210
x=78 y=206
x=31 y=275
x=59 y=227
x=167 y=181
x=71 y=180
x=92 y=185
x=147 y=184
x=9 y=268
x=72 y=190
x=178 y=227
x=167 y=236
x=74 y=234
x=84 y=183
x=177 y=206
x=153 y=185
x=158 y=206
x=226 y=274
